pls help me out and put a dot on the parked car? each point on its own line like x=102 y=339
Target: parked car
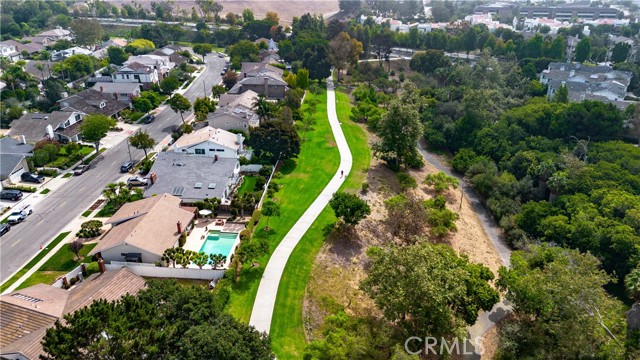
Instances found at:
x=80 y=169
x=127 y=166
x=17 y=217
x=31 y=177
x=224 y=71
x=4 y=228
x=13 y=195
x=137 y=181
x=221 y=55
x=151 y=118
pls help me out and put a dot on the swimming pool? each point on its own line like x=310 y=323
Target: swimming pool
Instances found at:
x=219 y=243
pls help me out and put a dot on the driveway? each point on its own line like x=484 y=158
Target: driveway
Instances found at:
x=53 y=213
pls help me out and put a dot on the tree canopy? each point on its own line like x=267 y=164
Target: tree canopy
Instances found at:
x=164 y=321
x=95 y=127
x=275 y=140
x=349 y=207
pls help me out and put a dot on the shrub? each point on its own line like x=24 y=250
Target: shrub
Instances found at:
x=146 y=167
x=266 y=170
x=22 y=188
x=392 y=73
x=48 y=172
x=406 y=181
x=89 y=229
x=245 y=234
x=183 y=239
x=92 y=268
x=463 y=160
x=365 y=187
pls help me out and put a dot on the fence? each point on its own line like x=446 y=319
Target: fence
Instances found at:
x=73 y=273
x=150 y=270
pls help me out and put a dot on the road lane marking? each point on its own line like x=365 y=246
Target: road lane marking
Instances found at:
x=63 y=204
x=16 y=243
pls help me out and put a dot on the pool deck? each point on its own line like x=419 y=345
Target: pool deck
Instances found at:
x=198 y=235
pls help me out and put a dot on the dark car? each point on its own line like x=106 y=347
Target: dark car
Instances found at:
x=224 y=71
x=31 y=177
x=80 y=169
x=151 y=118
x=221 y=56
x=14 y=195
x=126 y=166
x=4 y=228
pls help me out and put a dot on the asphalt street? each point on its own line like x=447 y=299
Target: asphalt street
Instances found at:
x=51 y=215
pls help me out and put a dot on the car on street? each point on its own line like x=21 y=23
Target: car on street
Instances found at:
x=149 y=119
x=221 y=55
x=31 y=177
x=127 y=166
x=137 y=181
x=80 y=169
x=4 y=228
x=18 y=216
x=13 y=195
x=224 y=71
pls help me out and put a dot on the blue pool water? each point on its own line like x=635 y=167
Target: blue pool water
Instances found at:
x=219 y=243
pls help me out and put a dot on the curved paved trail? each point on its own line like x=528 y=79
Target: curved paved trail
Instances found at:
x=486 y=320
x=268 y=289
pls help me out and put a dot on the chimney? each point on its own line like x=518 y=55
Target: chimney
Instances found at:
x=266 y=87
x=215 y=157
x=23 y=139
x=65 y=282
x=101 y=266
x=153 y=177
x=179 y=224
x=239 y=139
x=101 y=88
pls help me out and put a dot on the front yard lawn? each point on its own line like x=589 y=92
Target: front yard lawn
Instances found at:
x=301 y=183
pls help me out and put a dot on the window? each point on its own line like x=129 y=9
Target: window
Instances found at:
x=212 y=149
x=198 y=186
x=200 y=151
x=177 y=191
x=212 y=185
x=220 y=150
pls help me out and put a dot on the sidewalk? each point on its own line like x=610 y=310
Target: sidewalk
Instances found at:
x=268 y=289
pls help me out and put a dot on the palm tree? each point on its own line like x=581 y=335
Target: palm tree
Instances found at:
x=263 y=108
x=40 y=66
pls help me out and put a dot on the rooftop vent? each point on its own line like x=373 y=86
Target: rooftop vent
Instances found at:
x=212 y=185
x=26 y=298
x=198 y=186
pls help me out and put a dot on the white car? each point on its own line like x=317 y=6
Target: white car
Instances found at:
x=20 y=215
x=137 y=181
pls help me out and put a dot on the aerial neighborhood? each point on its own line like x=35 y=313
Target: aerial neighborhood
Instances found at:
x=337 y=179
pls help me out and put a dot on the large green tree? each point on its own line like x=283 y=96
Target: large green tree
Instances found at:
x=86 y=32
x=561 y=308
x=399 y=131
x=142 y=140
x=428 y=289
x=349 y=207
x=179 y=104
x=164 y=321
x=117 y=56
x=583 y=50
x=95 y=127
x=275 y=140
x=202 y=49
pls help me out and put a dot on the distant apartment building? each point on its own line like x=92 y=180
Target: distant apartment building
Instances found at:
x=580 y=10
x=600 y=83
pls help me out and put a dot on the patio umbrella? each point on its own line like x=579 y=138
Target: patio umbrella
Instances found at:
x=205 y=212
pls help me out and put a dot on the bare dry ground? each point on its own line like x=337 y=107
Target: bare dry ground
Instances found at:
x=286 y=9
x=341 y=263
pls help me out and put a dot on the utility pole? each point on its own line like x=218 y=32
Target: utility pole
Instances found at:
x=204 y=87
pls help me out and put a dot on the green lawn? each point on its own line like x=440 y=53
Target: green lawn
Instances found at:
x=87 y=213
x=59 y=264
x=34 y=261
x=67 y=175
x=287 y=332
x=45 y=191
x=248 y=185
x=301 y=183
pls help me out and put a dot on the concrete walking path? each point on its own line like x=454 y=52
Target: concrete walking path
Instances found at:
x=268 y=289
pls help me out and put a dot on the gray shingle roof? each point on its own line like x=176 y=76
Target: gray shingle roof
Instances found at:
x=178 y=174
x=88 y=101
x=34 y=125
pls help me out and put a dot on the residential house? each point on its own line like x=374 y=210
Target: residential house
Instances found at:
x=101 y=53
x=601 y=83
x=29 y=312
x=253 y=69
x=124 y=92
x=136 y=73
x=159 y=63
x=193 y=178
x=42 y=40
x=13 y=159
x=235 y=112
x=58 y=125
x=9 y=50
x=30 y=48
x=32 y=69
x=63 y=54
x=91 y=101
x=170 y=54
x=142 y=230
x=57 y=34
x=210 y=142
x=271 y=45
x=267 y=83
